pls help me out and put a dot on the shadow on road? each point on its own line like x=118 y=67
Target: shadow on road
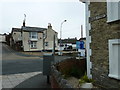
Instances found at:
x=37 y=81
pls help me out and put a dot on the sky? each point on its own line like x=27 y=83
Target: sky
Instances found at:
x=41 y=12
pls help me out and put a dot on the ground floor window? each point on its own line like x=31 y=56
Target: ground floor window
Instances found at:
x=114 y=58
x=33 y=44
x=46 y=43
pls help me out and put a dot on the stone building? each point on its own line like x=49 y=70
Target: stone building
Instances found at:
x=103 y=42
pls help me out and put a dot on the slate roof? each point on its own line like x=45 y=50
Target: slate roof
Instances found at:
x=33 y=29
x=16 y=29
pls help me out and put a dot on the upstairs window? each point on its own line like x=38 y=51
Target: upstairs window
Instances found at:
x=113 y=10
x=33 y=35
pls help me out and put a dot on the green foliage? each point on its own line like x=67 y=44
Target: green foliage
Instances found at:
x=85 y=79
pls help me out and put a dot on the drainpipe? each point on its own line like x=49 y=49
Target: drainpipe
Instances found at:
x=88 y=40
x=53 y=45
x=89 y=65
x=44 y=37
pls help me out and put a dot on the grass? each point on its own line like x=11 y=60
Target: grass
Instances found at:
x=85 y=79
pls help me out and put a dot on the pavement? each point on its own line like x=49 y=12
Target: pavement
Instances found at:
x=25 y=80
x=21 y=71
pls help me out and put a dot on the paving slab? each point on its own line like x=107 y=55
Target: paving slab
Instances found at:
x=25 y=80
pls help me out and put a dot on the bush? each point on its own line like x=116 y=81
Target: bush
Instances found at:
x=76 y=72
x=72 y=68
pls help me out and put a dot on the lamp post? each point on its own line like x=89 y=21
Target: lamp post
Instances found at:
x=61 y=37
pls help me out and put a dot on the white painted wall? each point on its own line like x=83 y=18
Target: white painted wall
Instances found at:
x=16 y=36
x=26 y=45
x=50 y=39
x=2 y=38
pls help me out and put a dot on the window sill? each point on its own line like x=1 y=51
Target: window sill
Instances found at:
x=114 y=76
x=34 y=39
x=33 y=48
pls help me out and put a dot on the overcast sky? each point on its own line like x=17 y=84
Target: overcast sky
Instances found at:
x=41 y=12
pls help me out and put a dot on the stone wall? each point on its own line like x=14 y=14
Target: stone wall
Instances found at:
x=57 y=71
x=100 y=33
x=57 y=80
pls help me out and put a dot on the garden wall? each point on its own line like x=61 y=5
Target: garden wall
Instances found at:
x=62 y=68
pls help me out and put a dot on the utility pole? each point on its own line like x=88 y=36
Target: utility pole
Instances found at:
x=81 y=31
x=61 y=37
x=54 y=45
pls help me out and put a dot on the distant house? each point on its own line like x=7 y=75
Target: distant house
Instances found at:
x=34 y=38
x=68 y=44
x=3 y=38
x=103 y=42
x=16 y=39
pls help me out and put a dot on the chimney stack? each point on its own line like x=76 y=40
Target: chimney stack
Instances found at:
x=24 y=20
x=49 y=26
x=24 y=23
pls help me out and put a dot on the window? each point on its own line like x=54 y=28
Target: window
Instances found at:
x=114 y=58
x=33 y=44
x=33 y=35
x=46 y=43
x=113 y=11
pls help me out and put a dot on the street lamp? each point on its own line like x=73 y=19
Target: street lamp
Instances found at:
x=61 y=37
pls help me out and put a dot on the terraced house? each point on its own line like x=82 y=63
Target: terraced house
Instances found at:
x=103 y=42
x=34 y=38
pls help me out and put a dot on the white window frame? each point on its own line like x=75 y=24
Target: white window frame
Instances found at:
x=33 y=35
x=33 y=44
x=114 y=58
x=113 y=10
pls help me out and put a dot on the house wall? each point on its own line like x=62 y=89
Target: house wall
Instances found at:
x=50 y=39
x=26 y=45
x=2 y=38
x=100 y=33
x=16 y=36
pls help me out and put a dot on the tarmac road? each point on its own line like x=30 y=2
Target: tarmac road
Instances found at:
x=20 y=71
x=13 y=64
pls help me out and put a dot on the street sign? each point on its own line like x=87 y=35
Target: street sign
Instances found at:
x=80 y=44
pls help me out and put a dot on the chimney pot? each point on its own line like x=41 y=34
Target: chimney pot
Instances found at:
x=49 y=26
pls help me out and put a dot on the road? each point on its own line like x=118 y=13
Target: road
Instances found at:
x=13 y=64
x=16 y=66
